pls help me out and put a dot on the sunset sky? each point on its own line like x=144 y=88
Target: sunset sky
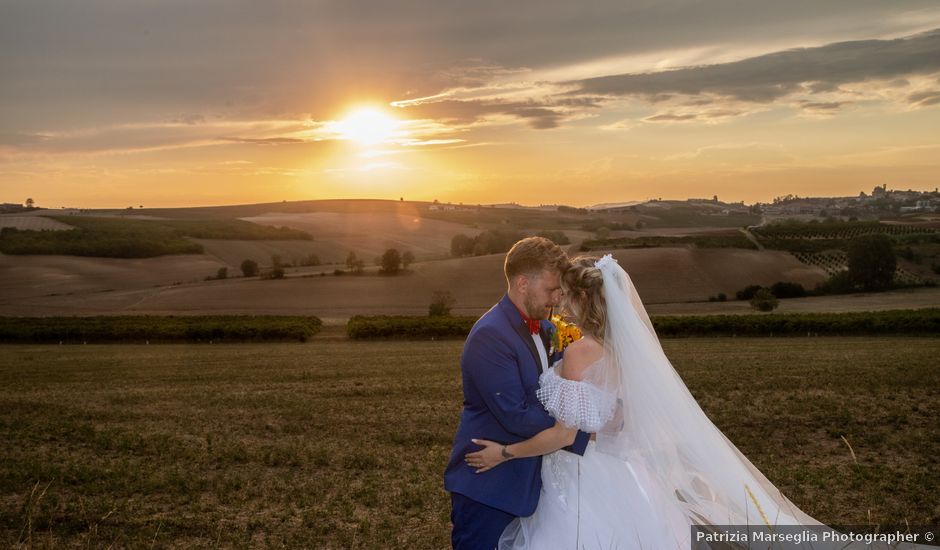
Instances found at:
x=112 y=103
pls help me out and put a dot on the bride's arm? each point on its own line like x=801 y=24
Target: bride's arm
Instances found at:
x=578 y=356
x=493 y=454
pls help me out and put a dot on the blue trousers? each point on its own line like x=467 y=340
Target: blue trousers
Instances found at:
x=476 y=525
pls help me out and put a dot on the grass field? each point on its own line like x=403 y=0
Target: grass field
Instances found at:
x=338 y=444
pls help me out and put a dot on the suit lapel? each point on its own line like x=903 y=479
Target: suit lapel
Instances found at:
x=523 y=333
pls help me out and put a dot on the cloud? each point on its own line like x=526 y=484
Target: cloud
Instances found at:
x=766 y=78
x=817 y=81
x=670 y=117
x=536 y=114
x=925 y=98
x=822 y=105
x=127 y=138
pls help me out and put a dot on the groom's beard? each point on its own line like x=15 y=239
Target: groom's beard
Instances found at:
x=537 y=311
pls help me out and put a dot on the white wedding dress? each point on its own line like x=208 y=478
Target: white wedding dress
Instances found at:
x=659 y=465
x=597 y=500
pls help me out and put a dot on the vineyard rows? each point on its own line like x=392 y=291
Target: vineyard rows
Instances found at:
x=834 y=261
x=836 y=230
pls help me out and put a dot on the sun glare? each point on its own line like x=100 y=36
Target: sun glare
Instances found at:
x=368 y=126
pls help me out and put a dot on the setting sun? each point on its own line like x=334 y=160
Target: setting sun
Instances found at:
x=368 y=126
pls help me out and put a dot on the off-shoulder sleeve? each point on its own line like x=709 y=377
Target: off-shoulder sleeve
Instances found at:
x=575 y=403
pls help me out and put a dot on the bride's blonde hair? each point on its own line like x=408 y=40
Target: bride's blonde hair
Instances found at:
x=583 y=285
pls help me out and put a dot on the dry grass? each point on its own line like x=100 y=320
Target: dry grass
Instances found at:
x=338 y=444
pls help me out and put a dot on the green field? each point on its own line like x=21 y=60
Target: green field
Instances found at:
x=340 y=444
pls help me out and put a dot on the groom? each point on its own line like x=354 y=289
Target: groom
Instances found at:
x=506 y=351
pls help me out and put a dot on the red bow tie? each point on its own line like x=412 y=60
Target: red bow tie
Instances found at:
x=535 y=326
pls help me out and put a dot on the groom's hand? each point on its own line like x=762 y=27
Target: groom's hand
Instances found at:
x=487 y=458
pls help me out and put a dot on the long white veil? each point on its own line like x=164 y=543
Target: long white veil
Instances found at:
x=664 y=429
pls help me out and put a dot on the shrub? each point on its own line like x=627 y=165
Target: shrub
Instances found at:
x=442 y=301
x=408 y=327
x=557 y=237
x=311 y=260
x=490 y=241
x=222 y=273
x=747 y=292
x=154 y=329
x=783 y=289
x=651 y=241
x=274 y=273
x=249 y=268
x=910 y=254
x=407 y=258
x=764 y=300
x=838 y=283
x=354 y=263
x=919 y=322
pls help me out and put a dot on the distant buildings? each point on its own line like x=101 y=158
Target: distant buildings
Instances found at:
x=882 y=201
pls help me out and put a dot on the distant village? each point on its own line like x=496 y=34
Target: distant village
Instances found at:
x=882 y=201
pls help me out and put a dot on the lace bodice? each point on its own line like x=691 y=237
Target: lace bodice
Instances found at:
x=576 y=403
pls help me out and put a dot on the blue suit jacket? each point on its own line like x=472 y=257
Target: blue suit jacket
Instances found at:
x=500 y=370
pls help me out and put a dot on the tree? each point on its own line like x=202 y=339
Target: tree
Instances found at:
x=441 y=303
x=557 y=237
x=249 y=268
x=30 y=203
x=407 y=258
x=222 y=273
x=764 y=300
x=354 y=263
x=872 y=261
x=784 y=289
x=461 y=245
x=747 y=292
x=391 y=262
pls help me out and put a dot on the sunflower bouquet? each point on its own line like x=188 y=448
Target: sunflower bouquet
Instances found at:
x=565 y=333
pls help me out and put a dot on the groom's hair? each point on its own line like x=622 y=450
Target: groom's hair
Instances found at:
x=532 y=255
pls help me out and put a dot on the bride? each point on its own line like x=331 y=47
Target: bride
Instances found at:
x=656 y=464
